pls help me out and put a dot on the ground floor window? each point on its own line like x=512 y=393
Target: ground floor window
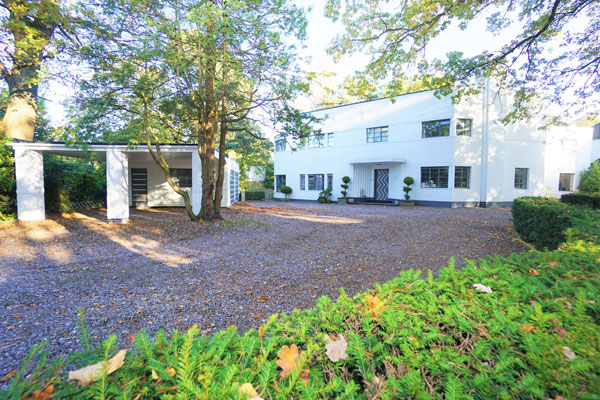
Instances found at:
x=565 y=182
x=462 y=177
x=279 y=182
x=521 y=175
x=182 y=177
x=302 y=182
x=234 y=187
x=434 y=177
x=330 y=181
x=315 y=181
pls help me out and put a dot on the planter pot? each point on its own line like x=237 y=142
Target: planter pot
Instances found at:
x=342 y=200
x=404 y=203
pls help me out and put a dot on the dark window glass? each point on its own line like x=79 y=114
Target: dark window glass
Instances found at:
x=302 y=182
x=436 y=128
x=521 y=178
x=379 y=134
x=182 y=176
x=279 y=182
x=330 y=181
x=463 y=127
x=434 y=177
x=565 y=182
x=315 y=181
x=280 y=145
x=462 y=177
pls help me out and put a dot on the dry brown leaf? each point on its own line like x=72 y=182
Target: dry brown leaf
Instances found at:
x=45 y=394
x=526 y=327
x=336 y=349
x=304 y=376
x=261 y=331
x=288 y=359
x=90 y=374
x=533 y=272
x=375 y=305
x=569 y=355
x=171 y=371
x=9 y=375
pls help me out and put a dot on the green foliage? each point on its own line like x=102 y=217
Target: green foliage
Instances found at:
x=270 y=175
x=286 y=190
x=541 y=221
x=582 y=199
x=434 y=338
x=325 y=196
x=409 y=180
x=255 y=195
x=344 y=185
x=590 y=179
x=7 y=182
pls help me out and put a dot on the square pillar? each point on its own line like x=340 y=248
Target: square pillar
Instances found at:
x=29 y=172
x=196 y=182
x=117 y=186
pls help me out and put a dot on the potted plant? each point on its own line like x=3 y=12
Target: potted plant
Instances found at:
x=325 y=196
x=286 y=190
x=407 y=181
x=344 y=185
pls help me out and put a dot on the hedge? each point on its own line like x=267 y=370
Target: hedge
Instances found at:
x=583 y=199
x=255 y=195
x=530 y=331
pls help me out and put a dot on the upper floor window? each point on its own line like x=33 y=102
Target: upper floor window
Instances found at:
x=463 y=127
x=330 y=139
x=280 y=145
x=379 y=134
x=315 y=182
x=279 y=182
x=316 y=140
x=182 y=176
x=521 y=175
x=436 y=128
x=565 y=182
x=434 y=177
x=462 y=177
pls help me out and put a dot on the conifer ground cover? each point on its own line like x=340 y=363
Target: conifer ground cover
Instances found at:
x=523 y=326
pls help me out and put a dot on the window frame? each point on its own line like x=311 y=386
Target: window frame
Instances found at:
x=382 y=135
x=461 y=178
x=302 y=182
x=330 y=139
x=313 y=179
x=440 y=184
x=178 y=173
x=571 y=181
x=518 y=182
x=446 y=121
x=330 y=181
x=278 y=184
x=461 y=130
x=278 y=146
x=316 y=141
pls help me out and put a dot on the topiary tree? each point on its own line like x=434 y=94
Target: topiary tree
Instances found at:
x=590 y=179
x=408 y=181
x=346 y=180
x=286 y=190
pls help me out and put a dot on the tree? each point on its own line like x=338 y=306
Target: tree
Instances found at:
x=26 y=31
x=190 y=71
x=557 y=51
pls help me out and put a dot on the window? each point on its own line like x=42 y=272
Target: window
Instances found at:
x=379 y=134
x=234 y=187
x=182 y=177
x=463 y=127
x=315 y=182
x=280 y=145
x=302 y=182
x=462 y=177
x=330 y=181
x=521 y=178
x=436 y=128
x=330 y=139
x=316 y=140
x=279 y=182
x=434 y=177
x=565 y=182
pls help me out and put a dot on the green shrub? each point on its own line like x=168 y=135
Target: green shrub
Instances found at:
x=590 y=179
x=255 y=195
x=324 y=196
x=582 y=199
x=407 y=181
x=7 y=182
x=286 y=190
x=344 y=186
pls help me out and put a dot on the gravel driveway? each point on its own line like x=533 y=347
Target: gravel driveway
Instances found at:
x=162 y=271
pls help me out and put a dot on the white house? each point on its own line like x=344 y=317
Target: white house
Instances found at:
x=458 y=154
x=132 y=177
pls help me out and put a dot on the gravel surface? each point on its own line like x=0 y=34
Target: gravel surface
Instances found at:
x=162 y=271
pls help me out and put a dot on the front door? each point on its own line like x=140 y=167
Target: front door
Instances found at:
x=382 y=183
x=139 y=187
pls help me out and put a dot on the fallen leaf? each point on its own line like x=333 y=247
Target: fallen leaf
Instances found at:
x=288 y=359
x=9 y=375
x=154 y=374
x=336 y=349
x=248 y=390
x=304 y=376
x=569 y=355
x=261 y=331
x=258 y=316
x=526 y=327
x=483 y=288
x=45 y=394
x=533 y=272
x=171 y=371
x=90 y=374
x=375 y=305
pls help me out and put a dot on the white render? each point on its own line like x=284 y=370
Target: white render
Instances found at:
x=502 y=148
x=120 y=160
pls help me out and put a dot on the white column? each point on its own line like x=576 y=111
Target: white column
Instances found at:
x=196 y=182
x=29 y=171
x=117 y=186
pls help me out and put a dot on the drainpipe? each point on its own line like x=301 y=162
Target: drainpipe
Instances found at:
x=485 y=117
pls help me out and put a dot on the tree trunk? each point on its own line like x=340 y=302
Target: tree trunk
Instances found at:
x=21 y=112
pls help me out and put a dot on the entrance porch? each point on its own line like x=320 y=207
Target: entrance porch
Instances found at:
x=376 y=181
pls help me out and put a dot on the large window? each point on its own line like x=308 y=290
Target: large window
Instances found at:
x=521 y=178
x=462 y=177
x=279 y=182
x=234 y=187
x=379 y=134
x=280 y=145
x=330 y=181
x=434 y=177
x=315 y=182
x=302 y=182
x=182 y=177
x=565 y=182
x=316 y=140
x=436 y=128
x=463 y=127
x=330 y=139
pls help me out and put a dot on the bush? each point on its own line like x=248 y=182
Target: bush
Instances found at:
x=590 y=179
x=407 y=181
x=582 y=199
x=254 y=195
x=7 y=182
x=286 y=190
x=344 y=186
x=324 y=196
